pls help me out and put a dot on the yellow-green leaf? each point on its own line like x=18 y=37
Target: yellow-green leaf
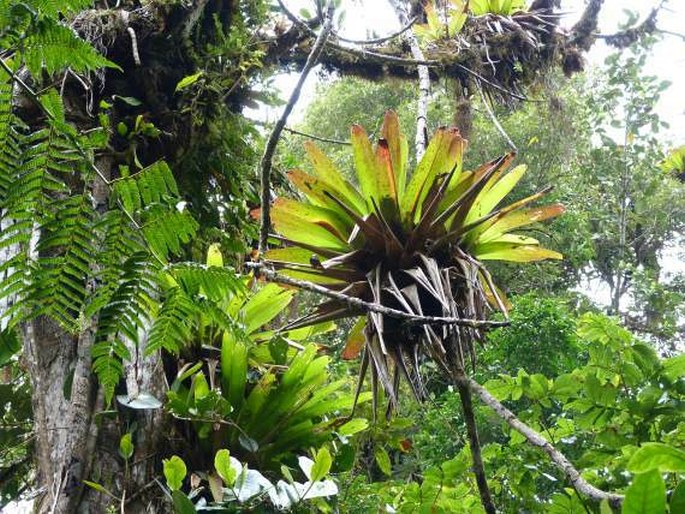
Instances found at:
x=513 y=252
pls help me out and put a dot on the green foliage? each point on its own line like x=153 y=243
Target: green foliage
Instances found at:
x=541 y=339
x=503 y=7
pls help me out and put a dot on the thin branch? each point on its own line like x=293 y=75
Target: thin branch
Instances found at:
x=421 y=141
x=270 y=149
x=669 y=33
x=534 y=438
x=411 y=319
x=495 y=121
x=316 y=138
x=492 y=84
x=377 y=41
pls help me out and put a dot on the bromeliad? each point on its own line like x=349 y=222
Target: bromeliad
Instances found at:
x=412 y=243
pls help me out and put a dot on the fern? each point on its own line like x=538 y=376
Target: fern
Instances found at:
x=63 y=268
x=127 y=308
x=211 y=282
x=174 y=325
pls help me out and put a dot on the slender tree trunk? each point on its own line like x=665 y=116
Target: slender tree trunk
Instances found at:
x=462 y=384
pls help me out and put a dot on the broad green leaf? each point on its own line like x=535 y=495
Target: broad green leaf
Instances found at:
x=336 y=224
x=233 y=369
x=188 y=81
x=493 y=195
x=293 y=254
x=214 y=257
x=444 y=151
x=499 y=388
x=320 y=193
x=222 y=464
x=301 y=229
x=353 y=426
x=646 y=495
x=366 y=165
x=126 y=446
x=383 y=460
x=182 y=504
x=513 y=253
x=326 y=171
x=659 y=456
x=265 y=305
x=174 y=472
x=520 y=218
x=322 y=464
x=674 y=367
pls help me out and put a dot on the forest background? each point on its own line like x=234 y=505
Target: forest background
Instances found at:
x=144 y=369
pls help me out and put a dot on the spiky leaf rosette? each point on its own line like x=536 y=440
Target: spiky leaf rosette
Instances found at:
x=414 y=244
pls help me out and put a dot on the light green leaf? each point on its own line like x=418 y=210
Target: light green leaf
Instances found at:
x=659 y=456
x=188 y=81
x=353 y=426
x=126 y=446
x=222 y=464
x=174 y=472
x=98 y=487
x=674 y=368
x=322 y=464
x=646 y=495
x=265 y=305
x=383 y=460
x=214 y=257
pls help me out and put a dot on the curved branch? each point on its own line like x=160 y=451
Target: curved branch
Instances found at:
x=411 y=319
x=270 y=149
x=534 y=438
x=379 y=40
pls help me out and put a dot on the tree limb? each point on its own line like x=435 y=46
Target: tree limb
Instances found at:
x=421 y=141
x=379 y=40
x=363 y=306
x=535 y=439
x=270 y=149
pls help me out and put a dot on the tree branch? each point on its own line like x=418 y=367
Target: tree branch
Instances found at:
x=421 y=141
x=377 y=41
x=495 y=121
x=474 y=443
x=411 y=319
x=535 y=439
x=316 y=138
x=270 y=149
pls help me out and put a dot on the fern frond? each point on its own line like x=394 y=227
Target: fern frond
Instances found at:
x=54 y=47
x=125 y=304
x=167 y=232
x=63 y=267
x=175 y=322
x=211 y=282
